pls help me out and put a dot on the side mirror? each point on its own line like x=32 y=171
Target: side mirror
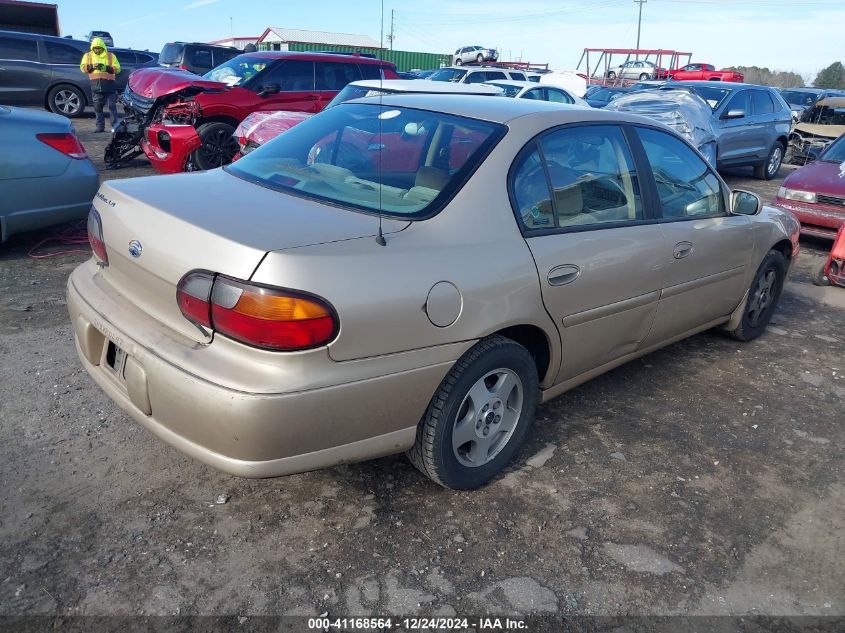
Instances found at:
x=269 y=89
x=734 y=114
x=745 y=203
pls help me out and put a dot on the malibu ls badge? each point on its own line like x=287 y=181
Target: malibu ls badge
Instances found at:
x=135 y=248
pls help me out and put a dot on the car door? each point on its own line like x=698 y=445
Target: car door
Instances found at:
x=707 y=249
x=765 y=120
x=599 y=255
x=63 y=62
x=693 y=72
x=23 y=80
x=738 y=136
x=295 y=80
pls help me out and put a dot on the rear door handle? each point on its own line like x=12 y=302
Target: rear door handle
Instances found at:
x=683 y=249
x=562 y=275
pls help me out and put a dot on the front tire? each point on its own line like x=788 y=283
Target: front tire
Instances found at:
x=763 y=297
x=644 y=76
x=769 y=168
x=66 y=100
x=479 y=416
x=611 y=75
x=218 y=145
x=459 y=62
x=480 y=58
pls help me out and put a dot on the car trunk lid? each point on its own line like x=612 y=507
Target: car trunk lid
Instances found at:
x=211 y=221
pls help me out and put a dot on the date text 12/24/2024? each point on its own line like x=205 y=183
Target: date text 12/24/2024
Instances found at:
x=416 y=624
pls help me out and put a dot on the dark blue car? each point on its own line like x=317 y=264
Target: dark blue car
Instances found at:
x=599 y=96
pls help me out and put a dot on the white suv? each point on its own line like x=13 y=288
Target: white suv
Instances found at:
x=478 y=75
x=477 y=54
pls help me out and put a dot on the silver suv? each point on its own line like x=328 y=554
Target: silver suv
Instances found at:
x=475 y=54
x=461 y=75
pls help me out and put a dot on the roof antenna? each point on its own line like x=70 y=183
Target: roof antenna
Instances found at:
x=380 y=237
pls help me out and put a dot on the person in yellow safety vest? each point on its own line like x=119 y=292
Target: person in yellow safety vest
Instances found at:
x=102 y=67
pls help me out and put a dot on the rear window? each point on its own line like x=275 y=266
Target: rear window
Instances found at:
x=351 y=92
x=509 y=90
x=448 y=74
x=19 y=49
x=399 y=161
x=62 y=53
x=171 y=54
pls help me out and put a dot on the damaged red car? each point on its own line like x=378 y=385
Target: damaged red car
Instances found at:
x=815 y=194
x=183 y=122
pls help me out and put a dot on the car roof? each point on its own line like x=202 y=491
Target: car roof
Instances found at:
x=729 y=85
x=429 y=87
x=517 y=83
x=317 y=56
x=494 y=110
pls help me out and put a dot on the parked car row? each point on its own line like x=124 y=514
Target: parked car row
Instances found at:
x=42 y=70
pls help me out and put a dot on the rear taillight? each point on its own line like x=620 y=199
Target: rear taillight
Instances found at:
x=95 y=237
x=183 y=67
x=64 y=142
x=193 y=295
x=261 y=316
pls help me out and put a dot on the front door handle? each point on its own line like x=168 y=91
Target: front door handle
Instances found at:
x=562 y=275
x=683 y=249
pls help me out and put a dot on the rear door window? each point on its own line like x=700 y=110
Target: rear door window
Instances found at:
x=369 y=71
x=762 y=102
x=335 y=75
x=201 y=58
x=592 y=176
x=19 y=49
x=62 y=53
x=558 y=96
x=221 y=55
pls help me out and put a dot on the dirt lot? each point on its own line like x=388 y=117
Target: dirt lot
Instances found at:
x=706 y=478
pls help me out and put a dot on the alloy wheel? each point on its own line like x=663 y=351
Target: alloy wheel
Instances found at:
x=219 y=148
x=775 y=160
x=487 y=417
x=66 y=101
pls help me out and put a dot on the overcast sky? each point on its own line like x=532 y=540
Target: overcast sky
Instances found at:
x=797 y=35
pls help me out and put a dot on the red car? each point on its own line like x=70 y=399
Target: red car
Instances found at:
x=815 y=194
x=705 y=72
x=183 y=122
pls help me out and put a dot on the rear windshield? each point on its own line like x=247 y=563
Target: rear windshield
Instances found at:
x=399 y=161
x=238 y=69
x=171 y=54
x=509 y=90
x=448 y=74
x=351 y=92
x=794 y=97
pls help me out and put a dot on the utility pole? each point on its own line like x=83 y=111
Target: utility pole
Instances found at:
x=392 y=35
x=639 y=22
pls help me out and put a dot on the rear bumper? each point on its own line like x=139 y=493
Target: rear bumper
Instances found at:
x=249 y=434
x=818 y=220
x=173 y=159
x=34 y=203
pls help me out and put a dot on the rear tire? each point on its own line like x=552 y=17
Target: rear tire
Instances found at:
x=820 y=279
x=644 y=76
x=218 y=145
x=769 y=168
x=763 y=297
x=66 y=100
x=487 y=399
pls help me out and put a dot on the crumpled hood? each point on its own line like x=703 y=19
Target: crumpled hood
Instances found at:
x=153 y=83
x=819 y=177
x=827 y=131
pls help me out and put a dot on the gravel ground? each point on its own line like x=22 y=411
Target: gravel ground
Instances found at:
x=706 y=478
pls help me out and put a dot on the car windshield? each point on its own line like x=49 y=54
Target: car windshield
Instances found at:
x=713 y=96
x=448 y=74
x=795 y=97
x=237 y=70
x=171 y=53
x=824 y=115
x=509 y=91
x=835 y=152
x=401 y=162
